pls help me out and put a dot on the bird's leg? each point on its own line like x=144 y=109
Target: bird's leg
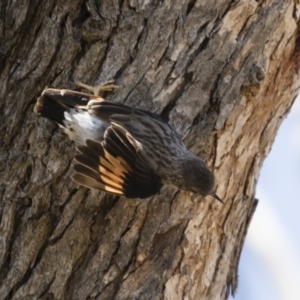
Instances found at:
x=106 y=86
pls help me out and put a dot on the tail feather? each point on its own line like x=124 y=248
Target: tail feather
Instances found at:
x=53 y=103
x=50 y=109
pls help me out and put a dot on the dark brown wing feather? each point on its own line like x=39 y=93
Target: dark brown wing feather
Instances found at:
x=106 y=109
x=115 y=166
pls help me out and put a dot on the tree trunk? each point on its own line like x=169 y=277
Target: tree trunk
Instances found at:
x=224 y=73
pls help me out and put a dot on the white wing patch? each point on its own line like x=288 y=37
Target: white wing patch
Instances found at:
x=80 y=125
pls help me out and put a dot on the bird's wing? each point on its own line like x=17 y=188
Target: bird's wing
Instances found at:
x=106 y=111
x=142 y=125
x=115 y=166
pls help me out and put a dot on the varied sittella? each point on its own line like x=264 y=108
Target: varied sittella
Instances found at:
x=123 y=150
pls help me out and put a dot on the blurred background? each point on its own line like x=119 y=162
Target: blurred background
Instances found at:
x=270 y=262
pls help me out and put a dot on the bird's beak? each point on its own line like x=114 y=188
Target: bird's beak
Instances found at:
x=217 y=197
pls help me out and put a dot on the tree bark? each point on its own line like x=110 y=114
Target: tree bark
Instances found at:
x=224 y=73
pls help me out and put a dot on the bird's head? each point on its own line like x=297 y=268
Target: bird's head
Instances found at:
x=198 y=178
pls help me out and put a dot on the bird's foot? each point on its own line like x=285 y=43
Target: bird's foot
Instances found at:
x=106 y=86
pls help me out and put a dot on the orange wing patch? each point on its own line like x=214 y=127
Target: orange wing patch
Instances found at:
x=97 y=168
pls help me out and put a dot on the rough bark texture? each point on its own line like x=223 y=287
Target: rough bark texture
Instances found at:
x=224 y=73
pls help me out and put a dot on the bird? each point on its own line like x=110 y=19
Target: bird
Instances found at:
x=123 y=150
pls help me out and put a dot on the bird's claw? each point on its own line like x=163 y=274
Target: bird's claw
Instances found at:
x=106 y=86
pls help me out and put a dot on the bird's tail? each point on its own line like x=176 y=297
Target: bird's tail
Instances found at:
x=53 y=103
